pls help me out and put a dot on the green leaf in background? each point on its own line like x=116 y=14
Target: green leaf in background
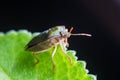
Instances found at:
x=18 y=64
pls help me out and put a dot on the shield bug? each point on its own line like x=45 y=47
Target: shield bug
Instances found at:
x=51 y=38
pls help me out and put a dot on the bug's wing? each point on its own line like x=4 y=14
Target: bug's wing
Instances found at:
x=41 y=46
x=37 y=39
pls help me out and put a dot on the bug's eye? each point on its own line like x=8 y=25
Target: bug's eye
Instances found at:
x=61 y=34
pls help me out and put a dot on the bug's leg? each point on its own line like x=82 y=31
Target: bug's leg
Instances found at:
x=42 y=51
x=35 y=53
x=66 y=53
x=66 y=42
x=37 y=60
x=53 y=57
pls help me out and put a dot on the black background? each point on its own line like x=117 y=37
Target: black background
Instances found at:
x=101 y=18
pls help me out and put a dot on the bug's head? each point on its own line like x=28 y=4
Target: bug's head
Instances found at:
x=78 y=34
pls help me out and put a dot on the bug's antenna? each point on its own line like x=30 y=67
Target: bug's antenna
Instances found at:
x=79 y=34
x=82 y=34
x=71 y=29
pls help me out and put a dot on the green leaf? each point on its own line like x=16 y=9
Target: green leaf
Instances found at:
x=18 y=64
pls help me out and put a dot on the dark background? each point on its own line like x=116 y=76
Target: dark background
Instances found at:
x=101 y=18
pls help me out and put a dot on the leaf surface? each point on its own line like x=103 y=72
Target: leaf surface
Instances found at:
x=18 y=64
